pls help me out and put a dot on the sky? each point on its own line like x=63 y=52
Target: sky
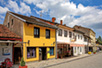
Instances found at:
x=86 y=13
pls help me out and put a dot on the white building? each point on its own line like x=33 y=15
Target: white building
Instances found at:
x=70 y=39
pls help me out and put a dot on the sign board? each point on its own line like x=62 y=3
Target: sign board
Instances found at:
x=5 y=51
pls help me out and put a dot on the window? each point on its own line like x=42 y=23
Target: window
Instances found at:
x=12 y=22
x=85 y=39
x=36 y=32
x=70 y=34
x=80 y=49
x=60 y=32
x=51 y=51
x=73 y=36
x=47 y=33
x=81 y=37
x=8 y=24
x=65 y=33
x=75 y=50
x=31 y=52
x=78 y=36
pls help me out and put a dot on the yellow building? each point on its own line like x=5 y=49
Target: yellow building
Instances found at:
x=38 y=37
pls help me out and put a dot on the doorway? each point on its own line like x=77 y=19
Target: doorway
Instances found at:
x=17 y=55
x=42 y=53
x=71 y=51
x=91 y=49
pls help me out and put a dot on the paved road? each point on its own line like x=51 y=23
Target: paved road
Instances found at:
x=94 y=61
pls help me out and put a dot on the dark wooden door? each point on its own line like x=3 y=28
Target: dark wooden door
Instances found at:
x=42 y=53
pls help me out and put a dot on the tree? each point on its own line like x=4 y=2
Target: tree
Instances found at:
x=99 y=40
x=22 y=62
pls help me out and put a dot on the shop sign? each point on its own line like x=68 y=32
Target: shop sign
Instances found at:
x=5 y=51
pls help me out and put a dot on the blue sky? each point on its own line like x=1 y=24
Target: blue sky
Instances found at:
x=87 y=13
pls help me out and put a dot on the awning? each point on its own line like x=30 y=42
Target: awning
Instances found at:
x=61 y=43
x=77 y=45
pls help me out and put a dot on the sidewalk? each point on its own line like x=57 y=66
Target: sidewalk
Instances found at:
x=47 y=63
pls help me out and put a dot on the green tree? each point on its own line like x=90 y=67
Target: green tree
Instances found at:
x=99 y=40
x=22 y=62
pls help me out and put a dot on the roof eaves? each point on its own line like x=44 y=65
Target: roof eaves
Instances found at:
x=43 y=19
x=43 y=25
x=46 y=23
x=51 y=26
x=78 y=31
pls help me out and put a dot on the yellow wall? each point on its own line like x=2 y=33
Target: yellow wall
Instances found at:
x=92 y=35
x=28 y=34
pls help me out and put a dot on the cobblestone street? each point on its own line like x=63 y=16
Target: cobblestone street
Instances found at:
x=82 y=61
x=94 y=61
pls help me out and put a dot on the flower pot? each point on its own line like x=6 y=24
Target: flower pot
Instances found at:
x=23 y=66
x=94 y=52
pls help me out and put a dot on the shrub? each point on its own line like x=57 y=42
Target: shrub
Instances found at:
x=22 y=62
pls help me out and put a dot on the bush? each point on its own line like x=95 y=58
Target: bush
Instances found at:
x=22 y=62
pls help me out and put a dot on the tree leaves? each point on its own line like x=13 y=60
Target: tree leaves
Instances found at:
x=99 y=40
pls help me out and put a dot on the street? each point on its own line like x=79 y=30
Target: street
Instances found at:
x=94 y=61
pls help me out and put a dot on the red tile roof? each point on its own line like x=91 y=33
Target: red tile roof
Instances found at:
x=6 y=33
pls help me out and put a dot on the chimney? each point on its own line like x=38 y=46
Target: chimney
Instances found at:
x=53 y=19
x=61 y=22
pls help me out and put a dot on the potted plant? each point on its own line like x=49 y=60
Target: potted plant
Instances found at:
x=22 y=64
x=94 y=52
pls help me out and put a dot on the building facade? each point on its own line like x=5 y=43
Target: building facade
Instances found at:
x=66 y=38
x=90 y=34
x=69 y=41
x=39 y=38
x=43 y=39
x=7 y=43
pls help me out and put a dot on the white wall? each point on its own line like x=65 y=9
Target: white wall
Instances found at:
x=77 y=51
x=63 y=39
x=67 y=39
x=80 y=41
x=3 y=57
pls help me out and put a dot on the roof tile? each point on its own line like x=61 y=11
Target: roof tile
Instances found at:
x=6 y=33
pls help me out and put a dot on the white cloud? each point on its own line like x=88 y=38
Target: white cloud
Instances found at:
x=25 y=8
x=66 y=11
x=13 y=5
x=3 y=10
x=2 y=17
x=22 y=8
